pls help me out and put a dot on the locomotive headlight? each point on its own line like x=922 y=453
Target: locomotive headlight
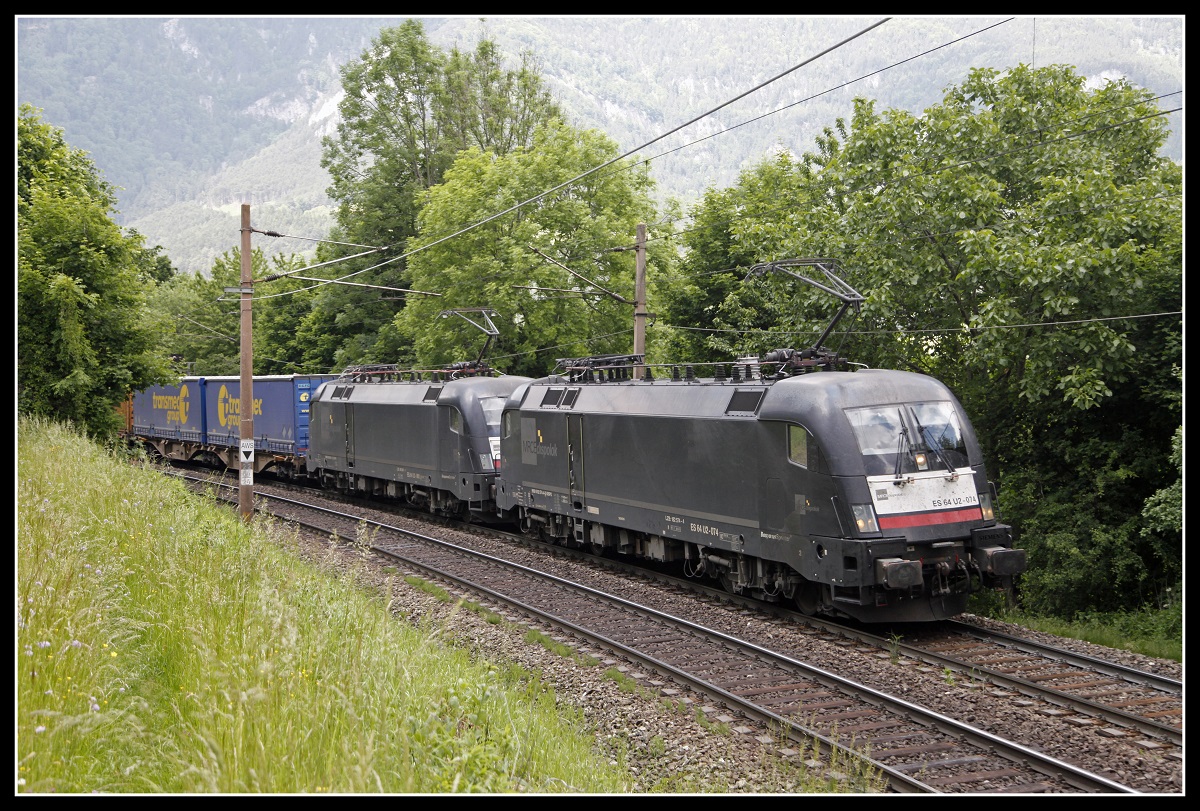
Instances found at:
x=864 y=517
x=922 y=461
x=985 y=504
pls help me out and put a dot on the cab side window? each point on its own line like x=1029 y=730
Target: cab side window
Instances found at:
x=455 y=420
x=797 y=445
x=803 y=450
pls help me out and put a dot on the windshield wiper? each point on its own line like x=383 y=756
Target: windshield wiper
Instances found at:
x=933 y=445
x=901 y=449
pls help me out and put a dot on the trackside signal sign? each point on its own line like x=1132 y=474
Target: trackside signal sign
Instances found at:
x=247 y=458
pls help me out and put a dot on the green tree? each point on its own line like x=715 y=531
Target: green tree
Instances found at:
x=85 y=336
x=408 y=109
x=1008 y=241
x=712 y=314
x=206 y=334
x=204 y=339
x=547 y=269
x=280 y=306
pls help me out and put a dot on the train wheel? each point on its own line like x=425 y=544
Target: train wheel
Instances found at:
x=808 y=597
x=728 y=582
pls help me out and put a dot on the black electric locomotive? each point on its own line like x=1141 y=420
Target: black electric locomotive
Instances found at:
x=427 y=438
x=790 y=477
x=860 y=493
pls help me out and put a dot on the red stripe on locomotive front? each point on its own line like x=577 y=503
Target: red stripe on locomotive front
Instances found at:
x=929 y=519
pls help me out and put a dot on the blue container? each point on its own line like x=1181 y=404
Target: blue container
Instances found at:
x=171 y=412
x=281 y=412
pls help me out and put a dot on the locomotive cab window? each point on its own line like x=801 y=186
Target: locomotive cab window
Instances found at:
x=509 y=423
x=455 y=420
x=803 y=451
x=908 y=437
x=797 y=445
x=492 y=407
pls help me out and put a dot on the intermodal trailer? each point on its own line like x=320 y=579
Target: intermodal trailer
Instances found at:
x=170 y=419
x=281 y=419
x=201 y=419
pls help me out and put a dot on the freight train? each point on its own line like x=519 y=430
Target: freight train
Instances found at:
x=792 y=477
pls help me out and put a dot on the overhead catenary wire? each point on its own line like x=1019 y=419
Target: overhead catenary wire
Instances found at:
x=575 y=179
x=624 y=155
x=817 y=95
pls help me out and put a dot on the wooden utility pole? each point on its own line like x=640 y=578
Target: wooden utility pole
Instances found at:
x=246 y=397
x=639 y=302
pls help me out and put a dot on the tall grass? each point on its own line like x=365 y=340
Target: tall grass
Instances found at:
x=166 y=646
x=1151 y=631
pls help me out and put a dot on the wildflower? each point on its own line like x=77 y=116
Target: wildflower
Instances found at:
x=43 y=644
x=75 y=643
x=95 y=707
x=39 y=729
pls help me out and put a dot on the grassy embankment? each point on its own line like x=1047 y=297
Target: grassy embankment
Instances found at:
x=165 y=646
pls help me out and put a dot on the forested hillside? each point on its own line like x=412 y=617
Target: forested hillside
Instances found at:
x=190 y=117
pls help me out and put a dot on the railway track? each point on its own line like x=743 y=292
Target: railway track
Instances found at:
x=1104 y=692
x=916 y=749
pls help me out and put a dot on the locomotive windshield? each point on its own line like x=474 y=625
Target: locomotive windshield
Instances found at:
x=909 y=438
x=492 y=408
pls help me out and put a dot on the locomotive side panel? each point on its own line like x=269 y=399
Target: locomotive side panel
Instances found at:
x=328 y=432
x=636 y=457
x=797 y=499
x=534 y=460
x=395 y=441
x=678 y=477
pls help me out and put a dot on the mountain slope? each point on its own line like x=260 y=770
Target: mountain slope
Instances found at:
x=191 y=117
